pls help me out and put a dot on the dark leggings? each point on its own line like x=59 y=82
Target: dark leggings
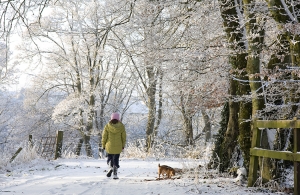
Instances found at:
x=113 y=160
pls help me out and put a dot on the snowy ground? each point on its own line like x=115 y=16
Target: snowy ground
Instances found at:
x=137 y=177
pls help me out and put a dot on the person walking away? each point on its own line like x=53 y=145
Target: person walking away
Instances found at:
x=113 y=141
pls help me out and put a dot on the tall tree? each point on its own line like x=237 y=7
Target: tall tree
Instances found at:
x=148 y=15
x=238 y=124
x=77 y=37
x=254 y=26
x=196 y=77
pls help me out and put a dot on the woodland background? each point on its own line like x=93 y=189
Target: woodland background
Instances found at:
x=184 y=74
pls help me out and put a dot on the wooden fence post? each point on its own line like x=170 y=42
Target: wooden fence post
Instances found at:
x=253 y=168
x=296 y=164
x=256 y=151
x=15 y=155
x=30 y=141
x=59 y=142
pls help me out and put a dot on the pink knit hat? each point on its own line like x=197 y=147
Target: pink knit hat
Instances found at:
x=115 y=115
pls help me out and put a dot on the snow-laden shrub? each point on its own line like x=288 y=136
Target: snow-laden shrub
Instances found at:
x=26 y=155
x=133 y=151
x=241 y=175
x=4 y=161
x=68 y=154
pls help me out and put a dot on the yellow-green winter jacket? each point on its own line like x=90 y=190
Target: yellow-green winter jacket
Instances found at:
x=114 y=138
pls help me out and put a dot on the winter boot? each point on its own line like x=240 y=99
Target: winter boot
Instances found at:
x=109 y=172
x=115 y=170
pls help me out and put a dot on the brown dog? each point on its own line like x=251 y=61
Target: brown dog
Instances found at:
x=165 y=170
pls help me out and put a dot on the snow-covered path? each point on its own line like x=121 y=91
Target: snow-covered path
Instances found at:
x=88 y=177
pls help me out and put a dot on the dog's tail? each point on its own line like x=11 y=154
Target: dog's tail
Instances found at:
x=158 y=164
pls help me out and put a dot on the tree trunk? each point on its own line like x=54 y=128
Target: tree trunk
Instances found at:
x=188 y=130
x=87 y=145
x=81 y=128
x=234 y=36
x=151 y=104
x=245 y=109
x=91 y=114
x=187 y=119
x=295 y=56
x=289 y=46
x=231 y=134
x=101 y=125
x=253 y=68
x=216 y=160
x=207 y=125
x=282 y=58
x=160 y=104
x=150 y=127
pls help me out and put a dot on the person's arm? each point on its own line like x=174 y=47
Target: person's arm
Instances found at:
x=104 y=137
x=123 y=138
